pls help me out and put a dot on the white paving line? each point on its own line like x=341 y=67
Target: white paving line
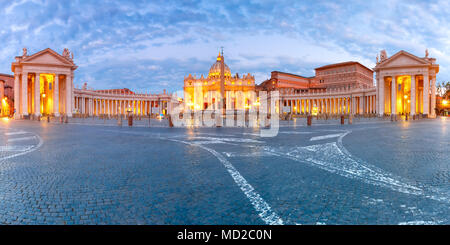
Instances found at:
x=15 y=133
x=328 y=136
x=262 y=207
x=20 y=139
x=15 y=148
x=41 y=142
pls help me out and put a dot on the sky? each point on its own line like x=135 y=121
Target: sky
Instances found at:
x=149 y=46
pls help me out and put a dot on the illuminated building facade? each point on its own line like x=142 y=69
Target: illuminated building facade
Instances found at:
x=43 y=83
x=6 y=95
x=341 y=88
x=406 y=84
x=205 y=92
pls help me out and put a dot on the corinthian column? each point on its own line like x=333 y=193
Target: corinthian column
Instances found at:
x=426 y=95
x=69 y=99
x=24 y=94
x=37 y=95
x=394 y=96
x=56 y=96
x=16 y=96
x=412 y=104
x=433 y=96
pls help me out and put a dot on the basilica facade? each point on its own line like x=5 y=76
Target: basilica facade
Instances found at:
x=206 y=92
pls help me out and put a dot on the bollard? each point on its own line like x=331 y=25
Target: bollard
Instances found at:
x=39 y=118
x=48 y=119
x=350 y=119
x=170 y=122
x=66 y=119
x=61 y=119
x=130 y=121
x=119 y=121
x=406 y=117
x=342 y=119
x=309 y=120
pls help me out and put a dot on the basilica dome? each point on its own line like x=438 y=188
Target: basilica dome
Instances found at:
x=215 y=68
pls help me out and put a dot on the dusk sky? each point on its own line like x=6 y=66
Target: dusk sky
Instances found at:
x=149 y=46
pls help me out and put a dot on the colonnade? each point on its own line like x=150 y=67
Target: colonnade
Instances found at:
x=336 y=105
x=93 y=103
x=341 y=101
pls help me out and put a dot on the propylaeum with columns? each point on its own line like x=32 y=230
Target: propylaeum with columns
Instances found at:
x=43 y=83
x=406 y=84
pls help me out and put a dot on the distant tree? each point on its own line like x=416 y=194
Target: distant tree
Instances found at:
x=446 y=89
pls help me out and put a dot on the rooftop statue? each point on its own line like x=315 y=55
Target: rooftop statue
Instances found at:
x=66 y=54
x=24 y=52
x=383 y=55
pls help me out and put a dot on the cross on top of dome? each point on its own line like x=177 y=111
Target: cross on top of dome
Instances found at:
x=214 y=71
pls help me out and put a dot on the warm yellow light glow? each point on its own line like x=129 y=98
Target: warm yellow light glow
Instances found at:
x=314 y=111
x=5 y=119
x=406 y=96
x=445 y=102
x=43 y=95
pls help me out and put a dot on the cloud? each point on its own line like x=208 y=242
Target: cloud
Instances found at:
x=153 y=44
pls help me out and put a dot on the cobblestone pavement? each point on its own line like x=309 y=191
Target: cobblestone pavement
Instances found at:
x=376 y=172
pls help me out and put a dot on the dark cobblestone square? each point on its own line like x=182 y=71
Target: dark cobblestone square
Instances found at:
x=373 y=172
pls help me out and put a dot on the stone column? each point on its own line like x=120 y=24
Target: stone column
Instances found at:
x=37 y=95
x=433 y=96
x=354 y=105
x=24 y=93
x=90 y=106
x=56 y=96
x=69 y=98
x=413 y=95
x=84 y=105
x=16 y=96
x=426 y=87
x=393 y=96
x=380 y=98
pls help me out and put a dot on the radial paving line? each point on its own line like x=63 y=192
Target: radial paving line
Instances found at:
x=41 y=142
x=20 y=139
x=262 y=207
x=265 y=212
x=14 y=133
x=328 y=136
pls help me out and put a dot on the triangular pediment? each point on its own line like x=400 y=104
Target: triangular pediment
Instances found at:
x=402 y=58
x=48 y=57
